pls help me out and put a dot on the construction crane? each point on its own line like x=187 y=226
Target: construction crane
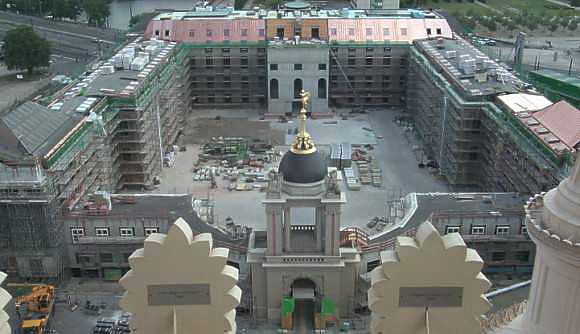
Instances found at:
x=39 y=306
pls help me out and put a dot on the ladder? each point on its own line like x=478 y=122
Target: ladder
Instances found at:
x=343 y=73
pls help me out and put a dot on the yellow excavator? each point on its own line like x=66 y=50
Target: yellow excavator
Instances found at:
x=38 y=308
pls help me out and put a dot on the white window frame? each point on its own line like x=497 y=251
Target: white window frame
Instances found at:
x=452 y=229
x=99 y=230
x=478 y=229
x=151 y=230
x=76 y=232
x=123 y=230
x=502 y=230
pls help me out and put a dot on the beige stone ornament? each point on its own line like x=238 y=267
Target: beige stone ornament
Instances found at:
x=428 y=285
x=180 y=284
x=4 y=299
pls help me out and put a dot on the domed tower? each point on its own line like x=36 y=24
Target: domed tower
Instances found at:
x=301 y=259
x=553 y=221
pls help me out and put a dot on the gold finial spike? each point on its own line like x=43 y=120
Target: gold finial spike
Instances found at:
x=303 y=143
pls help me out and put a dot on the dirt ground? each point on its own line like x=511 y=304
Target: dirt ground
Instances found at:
x=200 y=129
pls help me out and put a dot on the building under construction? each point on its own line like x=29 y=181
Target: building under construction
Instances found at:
x=263 y=59
x=484 y=127
x=106 y=132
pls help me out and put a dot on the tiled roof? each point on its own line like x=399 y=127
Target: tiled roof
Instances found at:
x=563 y=121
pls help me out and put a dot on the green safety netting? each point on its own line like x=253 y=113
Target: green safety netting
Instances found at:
x=287 y=305
x=327 y=306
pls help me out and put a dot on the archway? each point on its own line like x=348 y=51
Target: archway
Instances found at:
x=304 y=293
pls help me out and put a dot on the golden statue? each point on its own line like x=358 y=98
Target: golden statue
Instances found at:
x=303 y=143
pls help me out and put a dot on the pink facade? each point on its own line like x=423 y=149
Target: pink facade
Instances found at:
x=209 y=30
x=378 y=30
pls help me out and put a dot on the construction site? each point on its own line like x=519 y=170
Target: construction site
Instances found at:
x=108 y=131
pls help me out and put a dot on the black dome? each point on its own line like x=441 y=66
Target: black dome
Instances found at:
x=302 y=168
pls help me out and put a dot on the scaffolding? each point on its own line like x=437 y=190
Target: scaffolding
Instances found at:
x=474 y=142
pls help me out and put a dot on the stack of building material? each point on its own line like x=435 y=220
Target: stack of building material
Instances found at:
x=363 y=172
x=376 y=174
x=335 y=155
x=351 y=179
x=346 y=155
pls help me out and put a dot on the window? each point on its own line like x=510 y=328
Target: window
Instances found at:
x=386 y=32
x=351 y=31
x=333 y=78
x=225 y=51
x=351 y=61
x=333 y=32
x=370 y=51
x=502 y=230
x=321 y=88
x=228 y=99
x=102 y=231
x=403 y=31
x=387 y=50
x=244 y=32
x=274 y=88
x=369 y=61
x=208 y=50
x=226 y=32
x=478 y=230
x=438 y=31
x=322 y=67
x=369 y=31
x=151 y=230
x=127 y=231
x=156 y=32
x=244 y=79
x=523 y=256
x=227 y=61
x=208 y=61
x=386 y=77
x=452 y=229
x=280 y=33
x=297 y=67
x=368 y=77
x=386 y=61
x=297 y=31
x=261 y=61
x=524 y=229
x=243 y=50
x=261 y=32
x=191 y=33
x=273 y=67
x=262 y=50
x=297 y=88
x=76 y=233
x=315 y=33
x=498 y=256
x=244 y=61
x=106 y=257
x=166 y=33
x=428 y=31
x=208 y=33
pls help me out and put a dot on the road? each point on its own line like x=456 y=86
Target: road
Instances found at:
x=75 y=41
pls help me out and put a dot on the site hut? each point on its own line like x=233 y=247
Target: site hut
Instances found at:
x=296 y=260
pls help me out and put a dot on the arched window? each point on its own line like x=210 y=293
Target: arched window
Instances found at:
x=274 y=88
x=321 y=88
x=297 y=88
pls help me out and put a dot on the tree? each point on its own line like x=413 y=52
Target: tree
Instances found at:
x=97 y=11
x=573 y=25
x=25 y=50
x=575 y=3
x=553 y=27
x=66 y=9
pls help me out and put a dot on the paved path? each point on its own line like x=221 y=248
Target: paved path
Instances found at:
x=484 y=5
x=562 y=3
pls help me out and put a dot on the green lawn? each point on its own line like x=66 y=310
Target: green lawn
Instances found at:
x=536 y=7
